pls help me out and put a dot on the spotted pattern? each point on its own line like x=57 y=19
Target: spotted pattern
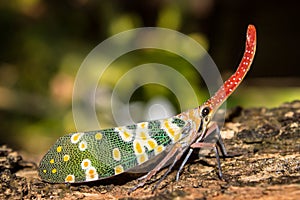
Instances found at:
x=66 y=158
x=118 y=169
x=88 y=156
x=85 y=164
x=91 y=174
x=98 y=136
x=159 y=149
x=142 y=158
x=58 y=149
x=76 y=137
x=125 y=134
x=70 y=178
x=151 y=144
x=82 y=146
x=138 y=147
x=171 y=129
x=116 y=154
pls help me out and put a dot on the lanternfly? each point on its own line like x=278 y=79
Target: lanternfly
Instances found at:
x=143 y=147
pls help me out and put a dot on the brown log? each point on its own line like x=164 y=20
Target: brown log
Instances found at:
x=264 y=163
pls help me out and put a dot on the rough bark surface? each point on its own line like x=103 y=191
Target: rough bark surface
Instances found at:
x=264 y=163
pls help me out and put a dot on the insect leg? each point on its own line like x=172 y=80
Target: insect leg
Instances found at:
x=186 y=158
x=203 y=144
x=214 y=127
x=160 y=165
x=183 y=163
x=201 y=135
x=220 y=143
x=204 y=133
x=180 y=152
x=215 y=138
x=214 y=147
x=189 y=154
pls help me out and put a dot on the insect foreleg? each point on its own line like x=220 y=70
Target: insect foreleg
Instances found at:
x=212 y=138
x=214 y=147
x=202 y=135
x=215 y=141
x=200 y=142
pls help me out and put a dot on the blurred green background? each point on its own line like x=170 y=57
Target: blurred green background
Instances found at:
x=43 y=44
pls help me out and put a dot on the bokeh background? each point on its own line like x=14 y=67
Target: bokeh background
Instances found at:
x=43 y=43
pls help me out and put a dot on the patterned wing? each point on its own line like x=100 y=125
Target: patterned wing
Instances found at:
x=94 y=155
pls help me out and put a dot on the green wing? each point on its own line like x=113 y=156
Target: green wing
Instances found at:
x=88 y=156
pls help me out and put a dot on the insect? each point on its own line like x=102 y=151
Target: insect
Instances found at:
x=145 y=147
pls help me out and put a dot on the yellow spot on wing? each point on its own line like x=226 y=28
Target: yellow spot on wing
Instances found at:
x=66 y=158
x=45 y=171
x=116 y=154
x=70 y=179
x=91 y=170
x=98 y=136
x=143 y=125
x=85 y=164
x=76 y=137
x=151 y=144
x=91 y=174
x=142 y=158
x=52 y=161
x=143 y=135
x=125 y=135
x=138 y=148
x=168 y=127
x=82 y=145
x=166 y=123
x=119 y=169
x=171 y=132
x=158 y=149
x=54 y=171
x=177 y=137
x=58 y=149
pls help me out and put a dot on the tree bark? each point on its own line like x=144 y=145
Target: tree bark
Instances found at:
x=263 y=163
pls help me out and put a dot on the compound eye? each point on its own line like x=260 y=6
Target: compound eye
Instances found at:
x=205 y=111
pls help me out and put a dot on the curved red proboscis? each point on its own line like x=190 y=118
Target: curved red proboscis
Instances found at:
x=233 y=82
